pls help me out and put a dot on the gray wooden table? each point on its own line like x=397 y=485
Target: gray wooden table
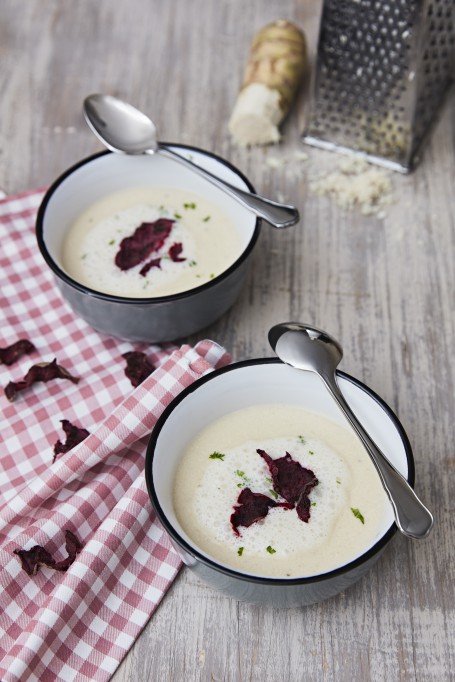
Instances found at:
x=383 y=287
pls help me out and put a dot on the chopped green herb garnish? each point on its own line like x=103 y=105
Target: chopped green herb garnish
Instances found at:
x=338 y=481
x=313 y=504
x=192 y=263
x=212 y=276
x=271 y=550
x=206 y=219
x=216 y=455
x=112 y=242
x=240 y=485
x=240 y=473
x=240 y=551
x=358 y=514
x=177 y=216
x=302 y=439
x=190 y=204
x=269 y=480
x=273 y=493
x=311 y=452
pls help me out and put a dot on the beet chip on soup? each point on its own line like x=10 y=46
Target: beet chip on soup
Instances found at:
x=291 y=481
x=252 y=507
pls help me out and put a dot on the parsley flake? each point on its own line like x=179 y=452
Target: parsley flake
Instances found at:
x=273 y=493
x=358 y=514
x=240 y=551
x=206 y=219
x=177 y=216
x=270 y=550
x=216 y=455
x=190 y=204
x=301 y=439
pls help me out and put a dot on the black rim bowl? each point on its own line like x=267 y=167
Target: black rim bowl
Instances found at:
x=375 y=549
x=62 y=275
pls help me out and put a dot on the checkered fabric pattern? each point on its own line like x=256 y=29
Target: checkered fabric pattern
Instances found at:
x=77 y=625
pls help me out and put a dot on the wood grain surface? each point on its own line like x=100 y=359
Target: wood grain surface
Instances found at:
x=384 y=287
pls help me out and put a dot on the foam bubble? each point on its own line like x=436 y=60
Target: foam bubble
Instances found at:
x=282 y=529
x=209 y=239
x=206 y=491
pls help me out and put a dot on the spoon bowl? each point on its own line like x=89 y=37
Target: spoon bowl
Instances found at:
x=321 y=349
x=125 y=129
x=311 y=349
x=120 y=126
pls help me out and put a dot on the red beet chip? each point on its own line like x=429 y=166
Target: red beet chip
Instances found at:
x=174 y=252
x=290 y=479
x=252 y=507
x=73 y=546
x=45 y=371
x=32 y=559
x=154 y=263
x=11 y=354
x=148 y=237
x=138 y=366
x=74 y=436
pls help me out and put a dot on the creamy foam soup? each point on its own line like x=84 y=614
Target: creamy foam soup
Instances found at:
x=347 y=506
x=209 y=240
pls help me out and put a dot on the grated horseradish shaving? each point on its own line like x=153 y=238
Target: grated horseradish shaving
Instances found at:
x=357 y=183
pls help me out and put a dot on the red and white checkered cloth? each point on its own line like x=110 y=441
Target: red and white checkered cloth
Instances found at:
x=77 y=625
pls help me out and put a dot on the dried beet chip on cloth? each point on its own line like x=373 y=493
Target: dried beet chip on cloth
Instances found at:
x=11 y=354
x=138 y=366
x=146 y=239
x=45 y=371
x=74 y=436
x=252 y=507
x=291 y=481
x=32 y=559
x=174 y=252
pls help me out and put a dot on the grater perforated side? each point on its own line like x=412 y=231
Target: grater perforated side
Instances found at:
x=383 y=69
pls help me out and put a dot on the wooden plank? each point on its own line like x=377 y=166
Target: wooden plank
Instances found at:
x=384 y=288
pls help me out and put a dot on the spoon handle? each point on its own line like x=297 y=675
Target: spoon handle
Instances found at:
x=411 y=516
x=278 y=215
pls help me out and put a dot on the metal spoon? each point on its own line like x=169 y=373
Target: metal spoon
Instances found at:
x=311 y=349
x=123 y=128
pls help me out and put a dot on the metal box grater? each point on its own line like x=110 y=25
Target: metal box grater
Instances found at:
x=382 y=70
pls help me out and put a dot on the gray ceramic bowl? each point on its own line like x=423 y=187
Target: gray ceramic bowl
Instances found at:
x=156 y=319
x=239 y=386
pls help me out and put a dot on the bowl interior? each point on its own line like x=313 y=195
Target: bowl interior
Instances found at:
x=106 y=173
x=261 y=382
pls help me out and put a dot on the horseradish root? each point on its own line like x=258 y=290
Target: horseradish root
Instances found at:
x=275 y=68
